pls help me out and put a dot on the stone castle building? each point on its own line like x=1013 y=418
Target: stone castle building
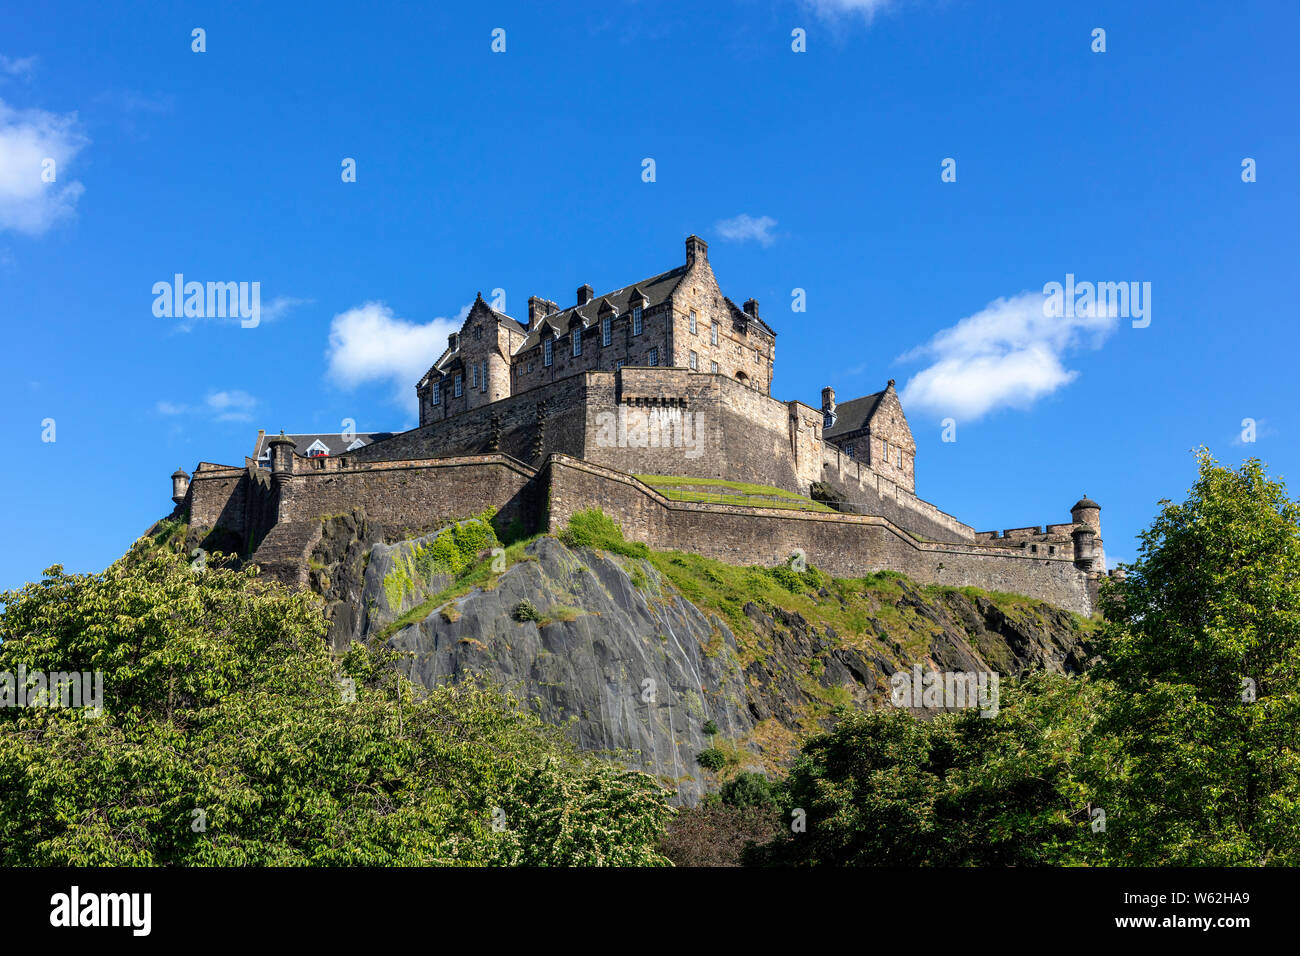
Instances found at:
x=548 y=415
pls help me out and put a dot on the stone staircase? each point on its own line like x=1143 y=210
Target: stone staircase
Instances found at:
x=283 y=553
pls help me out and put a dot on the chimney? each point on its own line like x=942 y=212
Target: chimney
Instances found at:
x=538 y=309
x=828 y=400
x=696 y=248
x=453 y=341
x=585 y=294
x=751 y=308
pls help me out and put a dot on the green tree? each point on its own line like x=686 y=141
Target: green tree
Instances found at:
x=231 y=736
x=1198 y=754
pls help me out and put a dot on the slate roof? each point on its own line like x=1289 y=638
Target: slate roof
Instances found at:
x=334 y=442
x=656 y=290
x=853 y=415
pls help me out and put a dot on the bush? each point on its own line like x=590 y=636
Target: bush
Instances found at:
x=710 y=728
x=748 y=790
x=525 y=611
x=711 y=759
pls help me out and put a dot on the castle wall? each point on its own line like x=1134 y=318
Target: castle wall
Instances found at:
x=872 y=493
x=844 y=545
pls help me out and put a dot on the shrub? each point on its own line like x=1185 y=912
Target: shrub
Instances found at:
x=525 y=611
x=711 y=759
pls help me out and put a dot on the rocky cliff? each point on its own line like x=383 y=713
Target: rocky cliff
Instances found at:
x=656 y=658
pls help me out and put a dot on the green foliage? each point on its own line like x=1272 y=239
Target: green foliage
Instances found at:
x=883 y=788
x=220 y=696
x=453 y=551
x=525 y=611
x=711 y=759
x=1199 y=775
x=710 y=728
x=595 y=529
x=748 y=790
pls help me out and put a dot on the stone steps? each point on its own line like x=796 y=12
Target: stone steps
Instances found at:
x=283 y=553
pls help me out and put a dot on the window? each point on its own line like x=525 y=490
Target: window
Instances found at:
x=576 y=334
x=900 y=457
x=636 y=321
x=713 y=367
x=459 y=386
x=478 y=332
x=482 y=375
x=653 y=357
x=437 y=393
x=848 y=449
x=1051 y=549
x=885 y=442
x=619 y=364
x=606 y=330
x=713 y=333
x=548 y=351
x=695 y=361
x=693 y=327
x=473 y=376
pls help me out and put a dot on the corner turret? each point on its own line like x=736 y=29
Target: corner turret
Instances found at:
x=180 y=485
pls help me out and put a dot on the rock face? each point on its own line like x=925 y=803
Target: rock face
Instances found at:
x=607 y=647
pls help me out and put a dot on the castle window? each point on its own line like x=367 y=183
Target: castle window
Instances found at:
x=577 y=341
x=693 y=326
x=437 y=393
x=713 y=367
x=695 y=361
x=848 y=449
x=606 y=330
x=478 y=332
x=1033 y=548
x=482 y=375
x=619 y=364
x=900 y=458
x=636 y=321
x=548 y=351
x=459 y=386
x=1051 y=549
x=885 y=442
x=473 y=376
x=713 y=333
x=653 y=357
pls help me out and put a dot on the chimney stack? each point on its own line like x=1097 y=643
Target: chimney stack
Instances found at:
x=453 y=341
x=828 y=400
x=696 y=248
x=751 y=308
x=585 y=293
x=538 y=309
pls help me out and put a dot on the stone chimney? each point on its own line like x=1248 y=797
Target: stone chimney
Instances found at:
x=696 y=248
x=538 y=309
x=453 y=341
x=751 y=308
x=585 y=294
x=828 y=401
x=180 y=485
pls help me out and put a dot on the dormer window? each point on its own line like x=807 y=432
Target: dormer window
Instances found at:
x=548 y=352
x=828 y=420
x=606 y=330
x=317 y=449
x=636 y=321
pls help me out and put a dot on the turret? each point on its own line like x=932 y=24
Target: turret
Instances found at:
x=1088 y=552
x=281 y=456
x=180 y=485
x=1088 y=512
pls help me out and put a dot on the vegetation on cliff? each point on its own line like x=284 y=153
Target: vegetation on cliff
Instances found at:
x=229 y=735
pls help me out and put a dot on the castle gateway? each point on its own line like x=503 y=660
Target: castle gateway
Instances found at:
x=667 y=379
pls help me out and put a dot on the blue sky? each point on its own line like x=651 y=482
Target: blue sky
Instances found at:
x=522 y=170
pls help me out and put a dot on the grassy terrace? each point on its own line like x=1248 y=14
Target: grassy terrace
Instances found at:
x=719 y=491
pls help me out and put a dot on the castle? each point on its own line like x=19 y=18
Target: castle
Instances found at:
x=664 y=377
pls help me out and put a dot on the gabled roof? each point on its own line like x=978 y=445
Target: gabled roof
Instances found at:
x=739 y=313
x=853 y=415
x=333 y=442
x=656 y=290
x=448 y=359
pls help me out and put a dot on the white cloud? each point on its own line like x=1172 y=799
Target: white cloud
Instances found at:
x=280 y=306
x=741 y=228
x=831 y=9
x=17 y=66
x=27 y=139
x=231 y=405
x=1008 y=355
x=371 y=344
